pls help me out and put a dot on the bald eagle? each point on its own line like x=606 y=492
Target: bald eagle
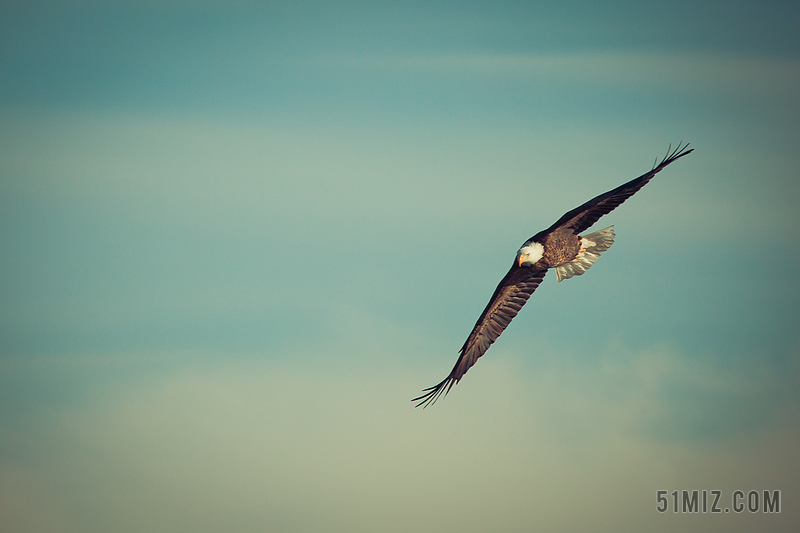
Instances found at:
x=560 y=247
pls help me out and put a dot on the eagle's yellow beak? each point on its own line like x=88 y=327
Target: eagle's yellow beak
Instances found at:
x=521 y=259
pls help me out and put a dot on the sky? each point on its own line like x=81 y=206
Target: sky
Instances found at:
x=239 y=237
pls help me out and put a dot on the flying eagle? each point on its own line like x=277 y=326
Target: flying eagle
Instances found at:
x=561 y=247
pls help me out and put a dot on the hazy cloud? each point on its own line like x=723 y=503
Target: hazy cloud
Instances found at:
x=256 y=445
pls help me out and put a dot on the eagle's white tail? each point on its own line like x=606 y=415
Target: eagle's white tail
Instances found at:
x=592 y=246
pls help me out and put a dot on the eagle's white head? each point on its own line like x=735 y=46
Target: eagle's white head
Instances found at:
x=529 y=253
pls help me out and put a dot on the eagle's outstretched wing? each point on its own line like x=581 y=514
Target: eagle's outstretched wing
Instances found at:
x=582 y=218
x=508 y=298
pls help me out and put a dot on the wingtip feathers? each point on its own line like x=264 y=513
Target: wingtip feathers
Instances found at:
x=671 y=155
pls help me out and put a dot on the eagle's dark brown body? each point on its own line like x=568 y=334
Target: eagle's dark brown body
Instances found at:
x=560 y=246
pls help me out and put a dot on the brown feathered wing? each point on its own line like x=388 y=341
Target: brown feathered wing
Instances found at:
x=581 y=218
x=508 y=298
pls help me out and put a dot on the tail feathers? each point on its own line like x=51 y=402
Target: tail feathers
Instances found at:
x=592 y=245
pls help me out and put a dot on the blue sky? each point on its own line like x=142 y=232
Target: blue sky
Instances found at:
x=238 y=239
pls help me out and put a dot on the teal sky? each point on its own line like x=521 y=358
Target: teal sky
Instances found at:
x=237 y=238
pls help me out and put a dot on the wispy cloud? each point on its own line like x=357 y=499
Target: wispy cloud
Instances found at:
x=288 y=447
x=710 y=73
